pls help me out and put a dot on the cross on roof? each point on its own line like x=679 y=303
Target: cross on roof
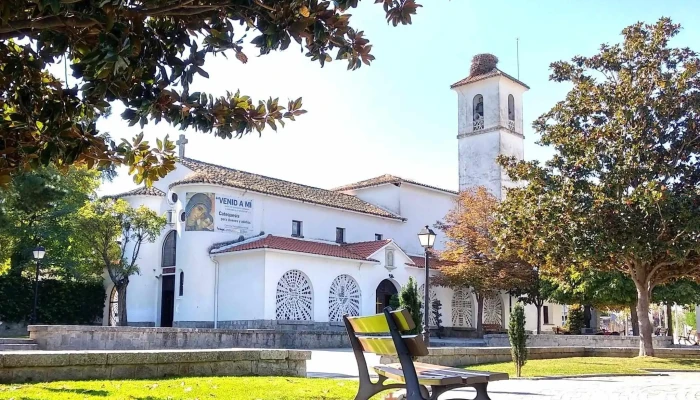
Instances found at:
x=181 y=144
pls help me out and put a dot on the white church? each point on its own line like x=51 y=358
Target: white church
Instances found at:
x=243 y=250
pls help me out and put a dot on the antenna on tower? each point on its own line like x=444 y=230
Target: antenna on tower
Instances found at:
x=517 y=54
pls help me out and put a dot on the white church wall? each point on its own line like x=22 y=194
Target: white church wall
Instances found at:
x=385 y=196
x=477 y=162
x=143 y=292
x=242 y=286
x=422 y=206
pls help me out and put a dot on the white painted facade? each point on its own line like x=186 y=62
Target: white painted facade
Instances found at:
x=220 y=289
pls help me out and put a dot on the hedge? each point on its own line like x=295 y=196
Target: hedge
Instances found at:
x=68 y=302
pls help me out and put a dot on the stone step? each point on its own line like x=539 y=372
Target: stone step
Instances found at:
x=16 y=341
x=19 y=347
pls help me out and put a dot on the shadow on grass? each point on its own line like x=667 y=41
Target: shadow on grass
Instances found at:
x=688 y=363
x=87 y=392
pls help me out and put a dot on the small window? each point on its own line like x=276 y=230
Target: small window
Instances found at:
x=390 y=258
x=340 y=235
x=478 y=112
x=545 y=314
x=378 y=236
x=168 y=257
x=511 y=107
x=182 y=283
x=478 y=107
x=296 y=229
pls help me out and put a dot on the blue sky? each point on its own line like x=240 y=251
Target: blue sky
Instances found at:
x=399 y=116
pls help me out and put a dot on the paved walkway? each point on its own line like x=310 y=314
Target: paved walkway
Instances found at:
x=674 y=386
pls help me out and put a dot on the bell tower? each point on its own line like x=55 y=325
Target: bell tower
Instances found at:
x=490 y=112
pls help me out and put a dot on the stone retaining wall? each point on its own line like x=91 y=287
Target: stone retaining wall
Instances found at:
x=461 y=356
x=593 y=341
x=46 y=366
x=74 y=337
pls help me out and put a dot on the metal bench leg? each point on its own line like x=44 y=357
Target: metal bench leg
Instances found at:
x=368 y=388
x=481 y=393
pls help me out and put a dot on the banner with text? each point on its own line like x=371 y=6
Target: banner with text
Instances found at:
x=211 y=212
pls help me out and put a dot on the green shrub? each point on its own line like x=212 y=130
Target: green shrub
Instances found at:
x=575 y=320
x=61 y=301
x=518 y=338
x=408 y=298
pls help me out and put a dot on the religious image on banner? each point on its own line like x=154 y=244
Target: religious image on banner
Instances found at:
x=199 y=212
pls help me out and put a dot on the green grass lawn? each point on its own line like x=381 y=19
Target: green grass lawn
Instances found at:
x=229 y=388
x=591 y=365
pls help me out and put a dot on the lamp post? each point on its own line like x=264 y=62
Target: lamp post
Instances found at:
x=39 y=253
x=426 y=236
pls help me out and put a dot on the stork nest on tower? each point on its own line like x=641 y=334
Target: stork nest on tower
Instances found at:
x=482 y=64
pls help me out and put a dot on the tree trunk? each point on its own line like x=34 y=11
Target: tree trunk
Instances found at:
x=479 y=316
x=121 y=302
x=587 y=316
x=539 y=318
x=635 y=320
x=669 y=319
x=646 y=346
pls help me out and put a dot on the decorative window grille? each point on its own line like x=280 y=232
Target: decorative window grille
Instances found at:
x=113 y=308
x=344 y=298
x=511 y=125
x=462 y=308
x=169 y=250
x=294 y=297
x=432 y=296
x=493 y=310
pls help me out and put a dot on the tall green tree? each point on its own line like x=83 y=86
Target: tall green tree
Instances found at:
x=146 y=54
x=518 y=338
x=38 y=208
x=116 y=232
x=621 y=192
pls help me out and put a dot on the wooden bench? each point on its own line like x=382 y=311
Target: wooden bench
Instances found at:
x=381 y=334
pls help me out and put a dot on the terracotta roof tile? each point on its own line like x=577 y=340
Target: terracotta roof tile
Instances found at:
x=387 y=179
x=353 y=251
x=141 y=191
x=366 y=249
x=494 y=72
x=216 y=174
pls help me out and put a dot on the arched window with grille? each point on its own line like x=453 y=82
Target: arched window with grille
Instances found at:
x=478 y=114
x=181 y=290
x=169 y=250
x=511 y=112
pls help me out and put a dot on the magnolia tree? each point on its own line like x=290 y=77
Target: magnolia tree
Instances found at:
x=471 y=253
x=116 y=231
x=146 y=54
x=621 y=192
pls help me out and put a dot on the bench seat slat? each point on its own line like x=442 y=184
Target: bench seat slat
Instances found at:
x=428 y=378
x=490 y=376
x=378 y=324
x=384 y=345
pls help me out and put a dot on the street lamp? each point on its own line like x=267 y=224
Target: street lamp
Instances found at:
x=426 y=236
x=39 y=253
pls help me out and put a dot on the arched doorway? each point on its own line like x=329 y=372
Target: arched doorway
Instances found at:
x=385 y=290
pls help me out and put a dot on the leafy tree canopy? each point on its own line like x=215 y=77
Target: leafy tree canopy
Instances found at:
x=146 y=54
x=39 y=208
x=622 y=191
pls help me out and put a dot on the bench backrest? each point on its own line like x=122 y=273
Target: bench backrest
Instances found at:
x=373 y=333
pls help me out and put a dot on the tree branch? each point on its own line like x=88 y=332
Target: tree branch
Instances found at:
x=48 y=23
